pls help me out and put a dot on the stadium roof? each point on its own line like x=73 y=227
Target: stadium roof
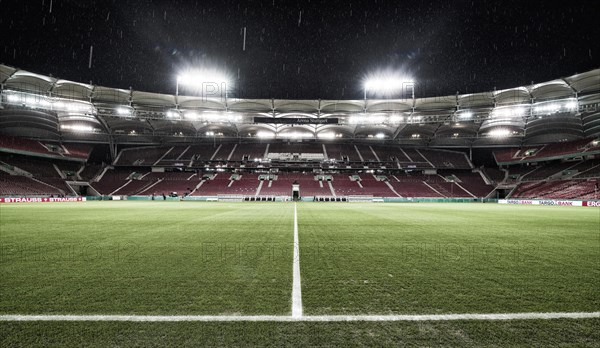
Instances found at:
x=561 y=109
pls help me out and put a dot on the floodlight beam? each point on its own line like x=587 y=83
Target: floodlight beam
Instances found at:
x=387 y=85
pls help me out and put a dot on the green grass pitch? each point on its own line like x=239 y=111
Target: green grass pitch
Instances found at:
x=236 y=259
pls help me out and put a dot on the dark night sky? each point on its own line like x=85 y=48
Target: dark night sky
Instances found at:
x=303 y=50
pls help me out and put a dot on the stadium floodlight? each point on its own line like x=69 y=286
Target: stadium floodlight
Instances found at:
x=499 y=133
x=295 y=135
x=379 y=135
x=44 y=103
x=172 y=114
x=191 y=115
x=466 y=115
x=77 y=128
x=510 y=111
x=13 y=98
x=396 y=119
x=387 y=84
x=210 y=82
x=31 y=100
x=384 y=84
x=571 y=105
x=123 y=111
x=265 y=134
x=326 y=135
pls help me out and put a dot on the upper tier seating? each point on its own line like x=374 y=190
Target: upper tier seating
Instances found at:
x=312 y=155
x=415 y=159
x=340 y=151
x=366 y=153
x=174 y=156
x=390 y=154
x=248 y=151
x=200 y=153
x=494 y=174
x=581 y=168
x=28 y=146
x=446 y=159
x=590 y=170
x=223 y=152
x=81 y=151
x=146 y=156
x=89 y=172
x=296 y=148
x=515 y=173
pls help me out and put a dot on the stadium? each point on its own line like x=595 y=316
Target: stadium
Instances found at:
x=64 y=138
x=79 y=142
x=203 y=218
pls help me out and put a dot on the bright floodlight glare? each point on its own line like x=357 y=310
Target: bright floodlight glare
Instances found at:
x=198 y=78
x=295 y=135
x=13 y=98
x=77 y=128
x=191 y=115
x=263 y=134
x=571 y=105
x=386 y=84
x=511 y=111
x=499 y=133
x=123 y=111
x=379 y=135
x=326 y=135
x=395 y=119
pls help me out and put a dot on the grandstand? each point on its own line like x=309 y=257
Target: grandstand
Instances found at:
x=410 y=149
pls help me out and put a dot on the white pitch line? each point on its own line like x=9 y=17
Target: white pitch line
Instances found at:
x=296 y=285
x=313 y=318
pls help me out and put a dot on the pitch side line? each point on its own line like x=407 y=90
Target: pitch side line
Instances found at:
x=313 y=318
x=296 y=285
